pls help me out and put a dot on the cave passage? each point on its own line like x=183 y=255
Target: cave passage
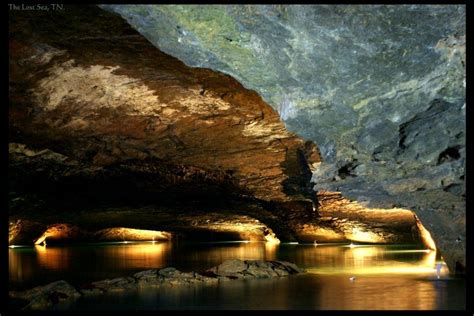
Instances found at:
x=129 y=152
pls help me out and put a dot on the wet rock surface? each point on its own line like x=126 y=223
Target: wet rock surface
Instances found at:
x=45 y=297
x=196 y=226
x=344 y=220
x=379 y=88
x=249 y=269
x=24 y=232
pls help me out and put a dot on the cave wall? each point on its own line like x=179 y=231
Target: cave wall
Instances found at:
x=379 y=88
x=102 y=122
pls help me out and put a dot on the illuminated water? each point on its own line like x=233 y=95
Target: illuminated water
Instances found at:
x=386 y=277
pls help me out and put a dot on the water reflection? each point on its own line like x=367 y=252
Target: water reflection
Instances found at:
x=24 y=263
x=388 y=277
x=309 y=291
x=53 y=258
x=20 y=267
x=365 y=259
x=135 y=256
x=369 y=292
x=37 y=265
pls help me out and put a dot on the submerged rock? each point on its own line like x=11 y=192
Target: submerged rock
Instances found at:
x=231 y=267
x=44 y=297
x=248 y=269
x=117 y=284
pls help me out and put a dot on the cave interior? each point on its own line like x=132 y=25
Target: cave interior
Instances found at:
x=223 y=123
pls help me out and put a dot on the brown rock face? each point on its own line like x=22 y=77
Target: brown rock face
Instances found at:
x=106 y=131
x=100 y=116
x=344 y=220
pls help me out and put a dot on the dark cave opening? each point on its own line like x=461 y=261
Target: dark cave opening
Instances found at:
x=450 y=154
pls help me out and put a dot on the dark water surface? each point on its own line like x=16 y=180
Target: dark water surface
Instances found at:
x=386 y=277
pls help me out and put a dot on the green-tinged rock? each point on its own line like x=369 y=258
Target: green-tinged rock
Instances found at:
x=379 y=88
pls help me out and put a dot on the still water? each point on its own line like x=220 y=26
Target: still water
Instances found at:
x=395 y=277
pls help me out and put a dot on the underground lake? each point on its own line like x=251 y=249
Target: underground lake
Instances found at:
x=338 y=277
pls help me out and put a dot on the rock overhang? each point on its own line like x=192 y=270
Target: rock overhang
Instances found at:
x=379 y=88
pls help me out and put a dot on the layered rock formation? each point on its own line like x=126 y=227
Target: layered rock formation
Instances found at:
x=194 y=225
x=380 y=89
x=107 y=131
x=341 y=220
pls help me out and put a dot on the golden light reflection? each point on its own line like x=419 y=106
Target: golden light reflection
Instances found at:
x=53 y=258
x=363 y=259
x=19 y=267
x=388 y=265
x=362 y=256
x=271 y=250
x=409 y=251
x=428 y=259
x=211 y=256
x=376 y=293
x=139 y=255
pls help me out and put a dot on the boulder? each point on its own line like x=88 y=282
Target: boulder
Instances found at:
x=148 y=278
x=117 y=284
x=250 y=269
x=231 y=267
x=43 y=297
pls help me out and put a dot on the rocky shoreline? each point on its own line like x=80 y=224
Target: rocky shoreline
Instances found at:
x=45 y=297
